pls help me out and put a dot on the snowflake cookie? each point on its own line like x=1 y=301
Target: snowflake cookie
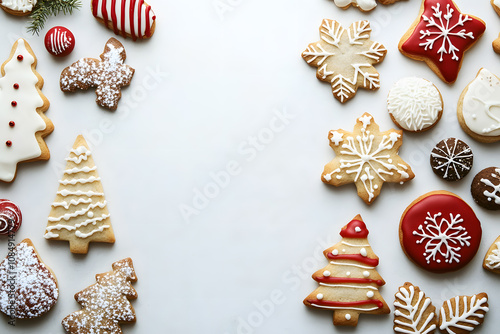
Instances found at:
x=367 y=158
x=440 y=36
x=415 y=104
x=440 y=232
x=363 y=5
x=478 y=108
x=414 y=312
x=462 y=314
x=349 y=284
x=345 y=58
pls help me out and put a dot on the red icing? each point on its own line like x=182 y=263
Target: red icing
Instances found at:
x=12 y=124
x=131 y=17
x=20 y=57
x=353 y=257
x=8 y=143
x=114 y=20
x=349 y=231
x=10 y=217
x=16 y=86
x=13 y=103
x=448 y=67
x=337 y=280
x=375 y=302
x=445 y=204
x=59 y=41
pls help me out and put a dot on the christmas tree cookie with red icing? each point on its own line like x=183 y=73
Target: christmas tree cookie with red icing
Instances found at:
x=440 y=232
x=440 y=36
x=129 y=18
x=23 y=124
x=349 y=284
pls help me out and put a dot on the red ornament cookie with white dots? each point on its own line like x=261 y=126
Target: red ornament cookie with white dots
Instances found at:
x=440 y=232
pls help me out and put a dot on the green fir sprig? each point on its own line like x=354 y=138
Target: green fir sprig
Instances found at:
x=46 y=8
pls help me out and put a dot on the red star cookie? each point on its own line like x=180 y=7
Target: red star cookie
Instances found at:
x=440 y=36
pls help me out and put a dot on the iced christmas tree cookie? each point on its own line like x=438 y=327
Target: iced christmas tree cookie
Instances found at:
x=36 y=290
x=462 y=314
x=367 y=158
x=10 y=217
x=79 y=213
x=440 y=36
x=485 y=188
x=23 y=124
x=349 y=284
x=414 y=312
x=345 y=58
x=105 y=304
x=440 y=232
x=108 y=75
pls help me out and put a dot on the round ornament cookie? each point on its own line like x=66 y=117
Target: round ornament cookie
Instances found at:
x=415 y=104
x=485 y=188
x=439 y=232
x=478 y=108
x=10 y=217
x=451 y=159
x=59 y=41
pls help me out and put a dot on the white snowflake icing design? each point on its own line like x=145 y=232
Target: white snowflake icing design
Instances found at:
x=450 y=159
x=443 y=237
x=354 y=47
x=439 y=24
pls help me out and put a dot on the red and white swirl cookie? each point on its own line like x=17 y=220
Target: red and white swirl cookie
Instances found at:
x=10 y=217
x=440 y=232
x=129 y=18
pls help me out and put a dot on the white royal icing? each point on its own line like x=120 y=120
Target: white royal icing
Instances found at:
x=363 y=4
x=493 y=259
x=19 y=5
x=481 y=105
x=415 y=103
x=494 y=194
x=413 y=312
x=27 y=121
x=462 y=318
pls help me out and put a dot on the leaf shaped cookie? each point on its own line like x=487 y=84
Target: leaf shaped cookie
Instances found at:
x=414 y=311
x=460 y=315
x=492 y=258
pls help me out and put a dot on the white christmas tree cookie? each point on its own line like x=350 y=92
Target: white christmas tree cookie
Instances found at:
x=414 y=312
x=349 y=284
x=492 y=258
x=79 y=213
x=462 y=314
x=345 y=58
x=367 y=158
x=23 y=124
x=106 y=303
x=35 y=289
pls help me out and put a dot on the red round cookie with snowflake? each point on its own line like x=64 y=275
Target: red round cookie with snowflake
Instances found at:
x=440 y=232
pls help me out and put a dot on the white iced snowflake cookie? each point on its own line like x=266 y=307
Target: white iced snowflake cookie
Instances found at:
x=367 y=158
x=18 y=7
x=479 y=107
x=415 y=104
x=462 y=314
x=363 y=5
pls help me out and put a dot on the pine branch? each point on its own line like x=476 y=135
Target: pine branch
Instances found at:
x=46 y=8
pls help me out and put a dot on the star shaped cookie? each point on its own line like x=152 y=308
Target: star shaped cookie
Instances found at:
x=367 y=158
x=345 y=58
x=440 y=36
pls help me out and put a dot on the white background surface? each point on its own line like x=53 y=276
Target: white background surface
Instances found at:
x=222 y=78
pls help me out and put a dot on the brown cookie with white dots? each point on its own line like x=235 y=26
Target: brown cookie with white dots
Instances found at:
x=451 y=159
x=485 y=188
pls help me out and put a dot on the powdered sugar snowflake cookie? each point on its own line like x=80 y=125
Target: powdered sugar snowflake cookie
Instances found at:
x=415 y=104
x=108 y=75
x=478 y=109
x=440 y=232
x=491 y=260
x=462 y=314
x=414 y=312
x=18 y=7
x=363 y=5
x=35 y=285
x=440 y=36
x=345 y=58
x=367 y=158
x=451 y=159
x=485 y=188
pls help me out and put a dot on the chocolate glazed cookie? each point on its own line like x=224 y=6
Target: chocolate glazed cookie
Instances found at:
x=451 y=159
x=485 y=188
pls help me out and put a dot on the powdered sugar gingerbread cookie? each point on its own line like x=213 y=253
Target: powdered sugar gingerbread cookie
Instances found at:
x=18 y=7
x=440 y=36
x=414 y=312
x=363 y=5
x=440 y=232
x=36 y=290
x=367 y=158
x=345 y=58
x=108 y=75
x=462 y=314
x=349 y=284
x=129 y=18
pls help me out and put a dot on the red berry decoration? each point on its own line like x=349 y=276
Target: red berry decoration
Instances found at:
x=59 y=41
x=20 y=57
x=10 y=217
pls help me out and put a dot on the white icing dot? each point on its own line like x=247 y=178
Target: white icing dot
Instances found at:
x=319 y=296
x=326 y=273
x=366 y=273
x=343 y=251
x=335 y=252
x=357 y=229
x=375 y=186
x=370 y=294
x=348 y=273
x=90 y=214
x=347 y=316
x=339 y=177
x=363 y=252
